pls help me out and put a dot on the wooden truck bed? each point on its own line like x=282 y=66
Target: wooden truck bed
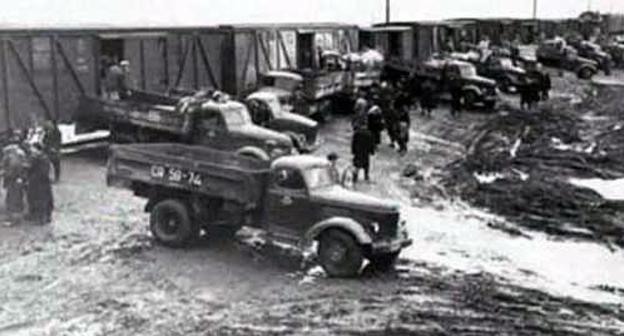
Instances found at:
x=189 y=168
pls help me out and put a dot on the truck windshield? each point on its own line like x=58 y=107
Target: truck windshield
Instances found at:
x=318 y=177
x=236 y=116
x=467 y=71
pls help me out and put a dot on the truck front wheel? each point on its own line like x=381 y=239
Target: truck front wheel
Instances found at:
x=384 y=262
x=171 y=224
x=340 y=255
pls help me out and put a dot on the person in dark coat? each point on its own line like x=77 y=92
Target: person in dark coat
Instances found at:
x=360 y=110
x=456 y=97
x=14 y=163
x=362 y=147
x=375 y=123
x=546 y=85
x=39 y=190
x=427 y=99
x=52 y=141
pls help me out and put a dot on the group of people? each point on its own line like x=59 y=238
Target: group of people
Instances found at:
x=115 y=78
x=536 y=87
x=26 y=163
x=383 y=107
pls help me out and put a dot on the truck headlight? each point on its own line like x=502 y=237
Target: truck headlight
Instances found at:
x=375 y=227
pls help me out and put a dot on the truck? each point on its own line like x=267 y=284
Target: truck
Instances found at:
x=294 y=199
x=309 y=92
x=146 y=118
x=557 y=53
x=476 y=90
x=267 y=111
x=595 y=53
x=500 y=68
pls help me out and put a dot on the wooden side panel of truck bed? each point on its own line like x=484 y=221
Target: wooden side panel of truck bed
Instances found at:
x=189 y=168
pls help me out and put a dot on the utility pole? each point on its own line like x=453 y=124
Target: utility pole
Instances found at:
x=534 y=9
x=387 y=11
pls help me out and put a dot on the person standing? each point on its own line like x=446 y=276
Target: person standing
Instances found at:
x=362 y=147
x=456 y=98
x=14 y=163
x=546 y=85
x=52 y=142
x=427 y=99
x=375 y=123
x=360 y=110
x=39 y=190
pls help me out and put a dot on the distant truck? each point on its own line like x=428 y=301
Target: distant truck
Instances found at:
x=267 y=111
x=508 y=76
x=557 y=53
x=294 y=199
x=595 y=53
x=146 y=117
x=476 y=90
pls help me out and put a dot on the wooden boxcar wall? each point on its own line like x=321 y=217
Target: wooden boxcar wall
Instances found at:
x=261 y=49
x=42 y=75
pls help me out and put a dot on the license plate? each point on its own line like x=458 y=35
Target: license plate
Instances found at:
x=176 y=175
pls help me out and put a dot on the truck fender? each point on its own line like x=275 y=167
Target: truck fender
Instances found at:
x=473 y=88
x=582 y=67
x=342 y=223
x=254 y=152
x=298 y=141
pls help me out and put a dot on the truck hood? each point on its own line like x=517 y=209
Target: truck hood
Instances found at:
x=583 y=60
x=297 y=119
x=262 y=134
x=482 y=80
x=338 y=196
x=280 y=93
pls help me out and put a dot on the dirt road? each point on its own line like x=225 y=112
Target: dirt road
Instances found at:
x=96 y=271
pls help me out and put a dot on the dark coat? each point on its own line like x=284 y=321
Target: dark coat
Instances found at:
x=362 y=147
x=39 y=192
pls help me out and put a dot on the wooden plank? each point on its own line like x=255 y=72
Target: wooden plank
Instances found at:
x=205 y=60
x=265 y=53
x=55 y=85
x=142 y=58
x=246 y=66
x=5 y=85
x=165 y=51
x=282 y=44
x=30 y=79
x=181 y=66
x=69 y=66
x=195 y=65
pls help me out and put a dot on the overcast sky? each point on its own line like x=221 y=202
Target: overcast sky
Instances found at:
x=213 y=12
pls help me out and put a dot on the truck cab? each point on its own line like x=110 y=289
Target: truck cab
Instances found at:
x=304 y=201
x=496 y=66
x=267 y=111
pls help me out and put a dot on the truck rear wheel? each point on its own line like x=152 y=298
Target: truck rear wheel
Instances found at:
x=340 y=255
x=585 y=73
x=171 y=224
x=470 y=99
x=384 y=262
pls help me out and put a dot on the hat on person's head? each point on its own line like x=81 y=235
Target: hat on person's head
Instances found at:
x=332 y=156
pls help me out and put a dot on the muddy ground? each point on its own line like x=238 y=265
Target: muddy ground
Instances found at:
x=96 y=270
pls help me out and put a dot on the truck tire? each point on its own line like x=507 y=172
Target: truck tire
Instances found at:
x=171 y=223
x=340 y=255
x=384 y=262
x=470 y=99
x=585 y=73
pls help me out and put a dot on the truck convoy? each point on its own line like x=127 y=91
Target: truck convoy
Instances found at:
x=557 y=53
x=295 y=199
x=214 y=122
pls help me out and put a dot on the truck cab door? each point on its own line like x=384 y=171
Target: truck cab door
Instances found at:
x=288 y=204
